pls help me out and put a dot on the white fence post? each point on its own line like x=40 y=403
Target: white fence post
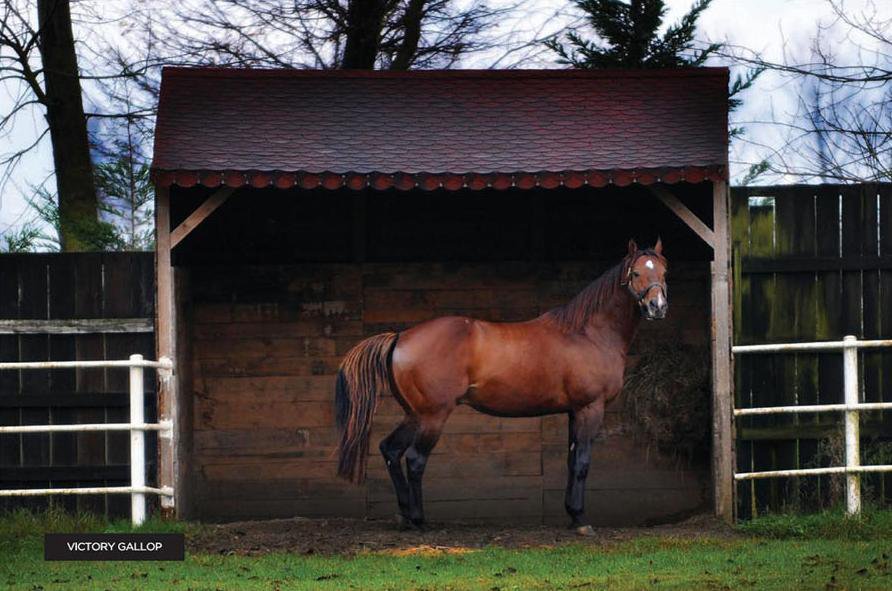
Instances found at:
x=853 y=451
x=137 y=444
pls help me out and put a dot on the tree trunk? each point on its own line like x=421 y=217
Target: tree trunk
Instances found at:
x=411 y=21
x=78 y=207
x=365 y=19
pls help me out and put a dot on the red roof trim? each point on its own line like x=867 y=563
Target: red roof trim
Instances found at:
x=206 y=72
x=451 y=182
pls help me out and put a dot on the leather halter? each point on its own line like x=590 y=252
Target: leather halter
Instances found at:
x=640 y=295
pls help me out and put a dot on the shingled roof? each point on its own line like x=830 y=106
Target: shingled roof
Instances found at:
x=433 y=129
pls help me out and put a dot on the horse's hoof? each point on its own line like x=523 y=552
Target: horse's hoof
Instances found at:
x=585 y=530
x=403 y=523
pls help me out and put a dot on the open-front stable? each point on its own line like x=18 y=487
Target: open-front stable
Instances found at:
x=299 y=212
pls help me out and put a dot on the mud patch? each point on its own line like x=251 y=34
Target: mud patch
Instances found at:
x=352 y=536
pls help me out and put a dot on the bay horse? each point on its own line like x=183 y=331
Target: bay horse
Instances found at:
x=570 y=359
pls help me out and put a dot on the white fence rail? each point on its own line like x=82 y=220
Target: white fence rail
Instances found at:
x=137 y=427
x=853 y=468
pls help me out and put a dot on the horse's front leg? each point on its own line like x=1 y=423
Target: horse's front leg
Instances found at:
x=584 y=425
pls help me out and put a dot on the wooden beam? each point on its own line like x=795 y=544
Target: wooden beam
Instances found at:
x=686 y=215
x=722 y=371
x=201 y=213
x=77 y=326
x=811 y=264
x=165 y=344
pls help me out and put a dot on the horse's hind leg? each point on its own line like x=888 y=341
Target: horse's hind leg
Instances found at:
x=392 y=448
x=584 y=425
x=416 y=461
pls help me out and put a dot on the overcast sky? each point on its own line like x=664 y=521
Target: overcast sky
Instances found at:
x=767 y=26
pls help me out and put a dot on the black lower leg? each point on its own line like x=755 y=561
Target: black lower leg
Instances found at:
x=416 y=461
x=578 y=461
x=392 y=448
x=584 y=424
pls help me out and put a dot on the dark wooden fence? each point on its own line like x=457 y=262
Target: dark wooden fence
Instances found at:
x=49 y=305
x=810 y=263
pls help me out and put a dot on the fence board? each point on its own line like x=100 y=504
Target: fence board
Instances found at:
x=62 y=382
x=10 y=445
x=33 y=304
x=743 y=366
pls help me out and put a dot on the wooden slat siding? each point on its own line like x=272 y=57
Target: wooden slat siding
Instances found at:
x=62 y=279
x=871 y=300
x=33 y=304
x=872 y=316
x=885 y=281
x=88 y=303
x=76 y=326
x=263 y=431
x=805 y=245
x=854 y=222
x=805 y=294
x=817 y=263
x=10 y=445
x=763 y=370
x=792 y=319
x=59 y=399
x=123 y=295
x=742 y=293
x=33 y=476
x=829 y=322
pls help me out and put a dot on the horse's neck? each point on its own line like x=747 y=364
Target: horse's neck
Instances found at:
x=618 y=315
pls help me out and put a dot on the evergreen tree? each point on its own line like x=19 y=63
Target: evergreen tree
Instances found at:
x=628 y=36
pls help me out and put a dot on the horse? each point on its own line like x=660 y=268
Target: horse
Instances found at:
x=571 y=360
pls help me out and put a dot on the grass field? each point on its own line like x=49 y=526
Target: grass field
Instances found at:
x=823 y=551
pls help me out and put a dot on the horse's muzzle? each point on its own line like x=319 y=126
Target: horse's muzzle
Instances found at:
x=656 y=308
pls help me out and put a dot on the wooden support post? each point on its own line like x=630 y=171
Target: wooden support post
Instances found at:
x=165 y=345
x=685 y=214
x=722 y=427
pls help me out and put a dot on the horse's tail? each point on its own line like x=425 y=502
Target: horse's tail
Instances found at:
x=364 y=375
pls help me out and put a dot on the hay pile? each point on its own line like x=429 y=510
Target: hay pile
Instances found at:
x=666 y=397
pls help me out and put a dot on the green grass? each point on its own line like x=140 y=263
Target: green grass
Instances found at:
x=872 y=525
x=774 y=553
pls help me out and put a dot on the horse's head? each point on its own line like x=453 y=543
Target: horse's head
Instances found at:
x=645 y=277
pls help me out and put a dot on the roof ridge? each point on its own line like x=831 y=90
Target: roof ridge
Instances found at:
x=236 y=72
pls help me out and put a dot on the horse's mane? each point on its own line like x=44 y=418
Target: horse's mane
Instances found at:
x=575 y=314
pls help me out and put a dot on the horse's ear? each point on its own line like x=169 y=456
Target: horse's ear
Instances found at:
x=633 y=247
x=658 y=247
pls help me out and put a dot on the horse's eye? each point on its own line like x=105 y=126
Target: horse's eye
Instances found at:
x=634 y=273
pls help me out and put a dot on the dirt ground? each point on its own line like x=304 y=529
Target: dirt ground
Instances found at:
x=351 y=536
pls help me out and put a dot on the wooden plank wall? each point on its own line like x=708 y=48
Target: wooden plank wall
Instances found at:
x=811 y=263
x=267 y=340
x=72 y=286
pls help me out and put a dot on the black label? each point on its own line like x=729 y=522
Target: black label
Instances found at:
x=114 y=547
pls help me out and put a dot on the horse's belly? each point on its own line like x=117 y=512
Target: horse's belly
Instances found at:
x=516 y=397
